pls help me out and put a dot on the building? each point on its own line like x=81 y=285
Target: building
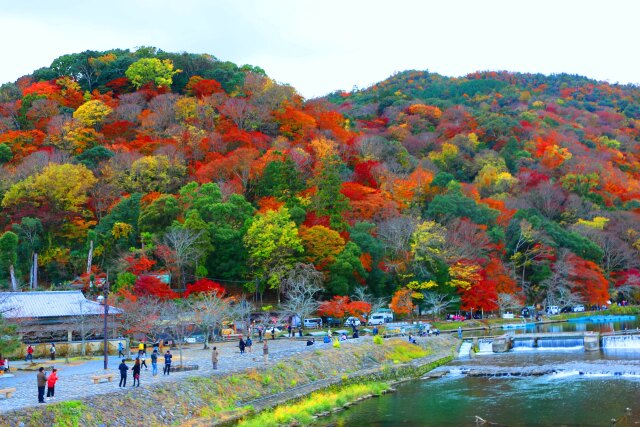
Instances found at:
x=55 y=316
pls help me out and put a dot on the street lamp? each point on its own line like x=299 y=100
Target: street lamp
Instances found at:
x=105 y=289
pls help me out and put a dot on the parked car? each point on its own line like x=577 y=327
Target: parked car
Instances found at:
x=331 y=322
x=566 y=309
x=377 y=319
x=552 y=309
x=352 y=321
x=313 y=322
x=578 y=307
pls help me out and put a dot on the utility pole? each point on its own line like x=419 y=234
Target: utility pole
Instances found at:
x=106 y=315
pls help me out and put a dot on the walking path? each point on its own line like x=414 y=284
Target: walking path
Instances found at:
x=75 y=379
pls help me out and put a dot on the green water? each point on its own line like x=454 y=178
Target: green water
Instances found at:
x=531 y=401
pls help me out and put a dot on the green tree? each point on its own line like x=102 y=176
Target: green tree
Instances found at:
x=30 y=232
x=280 y=180
x=454 y=204
x=273 y=243
x=328 y=200
x=92 y=157
x=5 y=153
x=8 y=258
x=159 y=215
x=9 y=339
x=151 y=70
x=346 y=272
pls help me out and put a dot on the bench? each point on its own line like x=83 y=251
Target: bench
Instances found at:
x=8 y=392
x=231 y=336
x=96 y=378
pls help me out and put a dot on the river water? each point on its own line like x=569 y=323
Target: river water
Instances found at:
x=541 y=387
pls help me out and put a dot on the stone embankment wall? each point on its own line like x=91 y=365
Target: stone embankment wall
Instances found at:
x=219 y=399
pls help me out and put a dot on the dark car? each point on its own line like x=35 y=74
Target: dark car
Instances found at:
x=331 y=322
x=566 y=309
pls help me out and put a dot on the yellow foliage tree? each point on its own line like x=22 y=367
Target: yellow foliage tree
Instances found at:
x=464 y=275
x=92 y=113
x=64 y=187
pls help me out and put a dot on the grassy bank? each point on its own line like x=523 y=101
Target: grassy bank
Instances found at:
x=211 y=400
x=304 y=411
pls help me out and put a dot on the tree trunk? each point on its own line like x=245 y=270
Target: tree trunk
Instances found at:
x=90 y=257
x=206 y=338
x=35 y=270
x=14 y=284
x=31 y=273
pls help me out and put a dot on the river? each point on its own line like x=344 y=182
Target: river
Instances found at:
x=540 y=387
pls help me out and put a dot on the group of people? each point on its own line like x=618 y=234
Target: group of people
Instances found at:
x=4 y=365
x=245 y=345
x=46 y=381
x=30 y=350
x=140 y=361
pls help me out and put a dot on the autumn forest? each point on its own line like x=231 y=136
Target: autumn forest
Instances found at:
x=494 y=190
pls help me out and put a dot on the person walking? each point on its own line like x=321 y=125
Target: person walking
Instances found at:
x=141 y=348
x=242 y=345
x=123 y=368
x=51 y=383
x=273 y=333
x=29 y=354
x=214 y=358
x=120 y=350
x=260 y=333
x=265 y=352
x=289 y=329
x=167 y=362
x=136 y=372
x=460 y=332
x=249 y=344
x=154 y=363
x=52 y=351
x=42 y=382
x=143 y=360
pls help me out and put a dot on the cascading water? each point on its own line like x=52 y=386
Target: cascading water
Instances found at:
x=621 y=342
x=523 y=345
x=465 y=349
x=561 y=344
x=485 y=346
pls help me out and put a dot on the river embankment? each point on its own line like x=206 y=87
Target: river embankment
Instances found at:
x=224 y=398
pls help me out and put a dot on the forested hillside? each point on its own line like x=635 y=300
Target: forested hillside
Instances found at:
x=492 y=187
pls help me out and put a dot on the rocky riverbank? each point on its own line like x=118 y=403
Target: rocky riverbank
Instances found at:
x=216 y=399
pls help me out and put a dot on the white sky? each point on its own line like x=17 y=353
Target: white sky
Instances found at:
x=325 y=45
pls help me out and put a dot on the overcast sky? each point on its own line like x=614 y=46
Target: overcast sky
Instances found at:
x=322 y=46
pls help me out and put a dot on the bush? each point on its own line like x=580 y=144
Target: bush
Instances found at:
x=378 y=340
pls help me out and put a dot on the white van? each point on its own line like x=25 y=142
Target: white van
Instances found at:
x=381 y=317
x=314 y=322
x=553 y=309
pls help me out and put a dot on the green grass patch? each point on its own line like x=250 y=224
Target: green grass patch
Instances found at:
x=448 y=326
x=303 y=411
x=405 y=352
x=67 y=414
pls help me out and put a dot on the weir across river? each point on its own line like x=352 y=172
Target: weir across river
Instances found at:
x=587 y=341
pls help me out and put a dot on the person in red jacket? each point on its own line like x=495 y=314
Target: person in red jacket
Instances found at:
x=51 y=383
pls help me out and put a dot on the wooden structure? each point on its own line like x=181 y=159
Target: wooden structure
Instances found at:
x=56 y=316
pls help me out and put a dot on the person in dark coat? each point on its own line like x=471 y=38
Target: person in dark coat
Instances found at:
x=42 y=383
x=136 y=372
x=242 y=345
x=123 y=368
x=167 y=363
